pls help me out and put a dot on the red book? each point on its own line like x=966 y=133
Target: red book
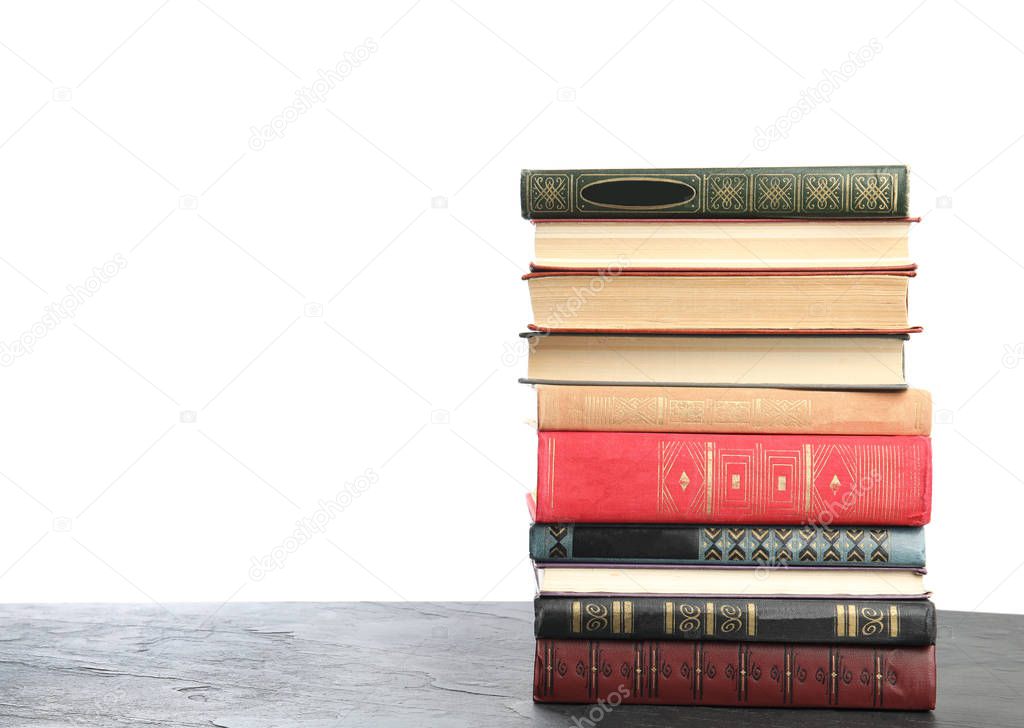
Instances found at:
x=629 y=477
x=756 y=674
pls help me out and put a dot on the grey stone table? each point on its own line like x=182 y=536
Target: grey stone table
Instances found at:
x=374 y=664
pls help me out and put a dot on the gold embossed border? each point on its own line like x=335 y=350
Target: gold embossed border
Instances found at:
x=693 y=205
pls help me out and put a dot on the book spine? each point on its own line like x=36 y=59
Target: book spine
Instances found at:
x=873 y=622
x=602 y=477
x=852 y=546
x=734 y=674
x=718 y=193
x=732 y=410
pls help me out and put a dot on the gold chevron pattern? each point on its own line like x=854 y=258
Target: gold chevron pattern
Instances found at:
x=765 y=545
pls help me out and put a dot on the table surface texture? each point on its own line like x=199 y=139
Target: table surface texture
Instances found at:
x=433 y=664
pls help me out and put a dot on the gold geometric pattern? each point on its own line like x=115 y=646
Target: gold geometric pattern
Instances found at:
x=613 y=411
x=684 y=481
x=732 y=412
x=822 y=192
x=686 y=411
x=785 y=412
x=873 y=192
x=727 y=192
x=557 y=550
x=636 y=409
x=822 y=479
x=775 y=192
x=668 y=452
x=550 y=193
x=764 y=545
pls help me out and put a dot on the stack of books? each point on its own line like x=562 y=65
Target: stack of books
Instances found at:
x=732 y=473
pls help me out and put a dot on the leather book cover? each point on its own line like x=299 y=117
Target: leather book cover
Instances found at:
x=831 y=621
x=872 y=192
x=756 y=674
x=732 y=410
x=631 y=477
x=706 y=545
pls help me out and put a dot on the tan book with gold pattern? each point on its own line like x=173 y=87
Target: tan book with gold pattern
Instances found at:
x=732 y=410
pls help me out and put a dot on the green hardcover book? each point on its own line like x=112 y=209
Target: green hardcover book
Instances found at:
x=875 y=192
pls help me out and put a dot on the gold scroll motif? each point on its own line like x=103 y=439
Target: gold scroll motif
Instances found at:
x=596 y=617
x=867 y=621
x=691 y=618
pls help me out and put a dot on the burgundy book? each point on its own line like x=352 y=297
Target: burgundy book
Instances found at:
x=751 y=674
x=635 y=477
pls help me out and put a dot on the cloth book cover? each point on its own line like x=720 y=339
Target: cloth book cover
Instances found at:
x=603 y=477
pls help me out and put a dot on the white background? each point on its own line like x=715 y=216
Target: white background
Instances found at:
x=344 y=300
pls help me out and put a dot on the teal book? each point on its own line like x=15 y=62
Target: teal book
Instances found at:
x=874 y=192
x=727 y=545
